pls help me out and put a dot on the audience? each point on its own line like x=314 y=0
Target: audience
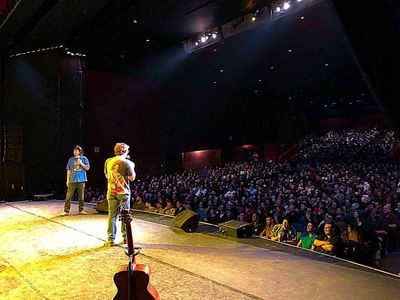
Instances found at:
x=342 y=184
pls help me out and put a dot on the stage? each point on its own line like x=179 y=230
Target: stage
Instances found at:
x=46 y=256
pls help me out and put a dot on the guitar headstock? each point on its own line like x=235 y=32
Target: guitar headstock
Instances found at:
x=126 y=216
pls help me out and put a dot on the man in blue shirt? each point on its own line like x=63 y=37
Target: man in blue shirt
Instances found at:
x=76 y=178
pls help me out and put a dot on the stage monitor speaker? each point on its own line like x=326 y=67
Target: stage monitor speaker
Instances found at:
x=187 y=220
x=102 y=206
x=233 y=228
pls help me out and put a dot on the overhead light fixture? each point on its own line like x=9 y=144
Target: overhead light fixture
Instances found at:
x=282 y=6
x=258 y=13
x=240 y=24
x=205 y=39
x=36 y=50
x=286 y=5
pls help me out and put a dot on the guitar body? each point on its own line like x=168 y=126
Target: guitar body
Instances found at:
x=141 y=289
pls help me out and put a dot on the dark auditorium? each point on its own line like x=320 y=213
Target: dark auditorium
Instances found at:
x=199 y=149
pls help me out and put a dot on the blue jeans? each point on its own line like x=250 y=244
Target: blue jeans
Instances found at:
x=114 y=203
x=72 y=186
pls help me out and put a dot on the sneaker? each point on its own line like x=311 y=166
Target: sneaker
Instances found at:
x=82 y=212
x=64 y=214
x=109 y=243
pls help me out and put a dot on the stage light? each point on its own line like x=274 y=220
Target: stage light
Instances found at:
x=214 y=35
x=278 y=9
x=258 y=13
x=253 y=19
x=286 y=5
x=203 y=39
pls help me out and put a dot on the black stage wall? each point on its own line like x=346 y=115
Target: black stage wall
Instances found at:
x=43 y=94
x=160 y=122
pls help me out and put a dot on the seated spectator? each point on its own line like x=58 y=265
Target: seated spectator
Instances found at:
x=284 y=233
x=159 y=209
x=229 y=215
x=308 y=217
x=202 y=211
x=327 y=242
x=242 y=217
x=138 y=203
x=269 y=225
x=307 y=237
x=169 y=210
x=392 y=221
x=327 y=220
x=179 y=207
x=148 y=206
x=212 y=217
x=256 y=226
x=187 y=205
x=353 y=246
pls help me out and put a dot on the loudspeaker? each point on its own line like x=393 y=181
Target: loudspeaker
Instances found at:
x=187 y=220
x=12 y=141
x=233 y=228
x=102 y=206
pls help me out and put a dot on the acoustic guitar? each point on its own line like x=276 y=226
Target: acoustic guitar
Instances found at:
x=132 y=280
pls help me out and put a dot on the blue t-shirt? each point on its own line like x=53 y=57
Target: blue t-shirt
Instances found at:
x=78 y=174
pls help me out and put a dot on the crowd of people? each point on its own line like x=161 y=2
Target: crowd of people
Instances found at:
x=341 y=199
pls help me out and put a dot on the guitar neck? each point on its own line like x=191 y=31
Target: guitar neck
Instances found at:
x=131 y=248
x=128 y=229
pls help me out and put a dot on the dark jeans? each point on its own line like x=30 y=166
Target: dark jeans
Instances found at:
x=70 y=192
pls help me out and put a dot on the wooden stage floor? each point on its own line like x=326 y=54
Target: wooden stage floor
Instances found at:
x=45 y=256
